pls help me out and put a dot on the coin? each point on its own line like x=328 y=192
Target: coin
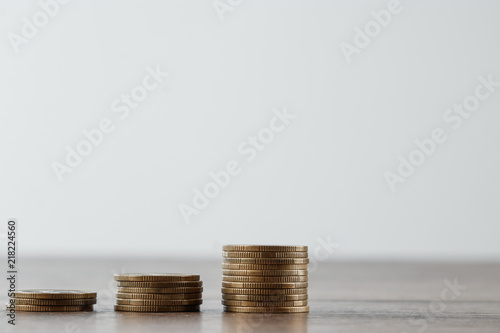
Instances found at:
x=260 y=261
x=264 y=254
x=259 y=285
x=263 y=248
x=187 y=290
x=156 y=277
x=232 y=272
x=54 y=294
x=60 y=308
x=243 y=291
x=262 y=267
x=150 y=302
x=265 y=298
x=48 y=302
x=264 y=304
x=145 y=308
x=264 y=279
x=158 y=296
x=176 y=284
x=248 y=309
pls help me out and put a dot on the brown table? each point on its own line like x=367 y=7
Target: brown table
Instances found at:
x=344 y=297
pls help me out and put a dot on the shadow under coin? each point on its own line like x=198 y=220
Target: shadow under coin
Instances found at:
x=264 y=322
x=158 y=321
x=84 y=321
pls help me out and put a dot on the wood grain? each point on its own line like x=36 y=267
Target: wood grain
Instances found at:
x=343 y=297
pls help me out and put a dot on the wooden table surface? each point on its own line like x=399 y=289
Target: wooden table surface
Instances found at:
x=344 y=297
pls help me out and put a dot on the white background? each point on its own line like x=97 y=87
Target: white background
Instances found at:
x=321 y=177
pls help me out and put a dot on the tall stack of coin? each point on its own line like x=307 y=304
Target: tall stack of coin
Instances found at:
x=53 y=300
x=264 y=278
x=158 y=292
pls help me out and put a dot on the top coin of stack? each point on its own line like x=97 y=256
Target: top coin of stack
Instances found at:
x=158 y=292
x=264 y=278
x=53 y=300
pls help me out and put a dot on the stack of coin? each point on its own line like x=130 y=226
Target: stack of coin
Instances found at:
x=53 y=300
x=158 y=292
x=264 y=278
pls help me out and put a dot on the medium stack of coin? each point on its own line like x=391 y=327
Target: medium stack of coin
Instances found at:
x=264 y=278
x=158 y=292
x=53 y=300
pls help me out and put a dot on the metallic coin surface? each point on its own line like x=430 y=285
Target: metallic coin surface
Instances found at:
x=264 y=254
x=187 y=290
x=265 y=298
x=262 y=267
x=153 y=302
x=264 y=304
x=259 y=285
x=232 y=272
x=242 y=291
x=176 y=284
x=158 y=308
x=264 y=261
x=272 y=279
x=60 y=308
x=52 y=302
x=248 y=309
x=156 y=277
x=54 y=294
x=264 y=248
x=158 y=296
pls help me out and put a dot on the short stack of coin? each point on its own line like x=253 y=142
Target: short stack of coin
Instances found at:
x=53 y=300
x=158 y=292
x=264 y=278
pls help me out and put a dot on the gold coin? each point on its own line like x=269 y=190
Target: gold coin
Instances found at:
x=60 y=308
x=145 y=308
x=264 y=304
x=243 y=291
x=158 y=296
x=259 y=285
x=232 y=272
x=187 y=290
x=248 y=309
x=54 y=294
x=265 y=261
x=265 y=279
x=264 y=248
x=152 y=302
x=156 y=277
x=265 y=298
x=264 y=254
x=177 y=284
x=262 y=267
x=48 y=302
